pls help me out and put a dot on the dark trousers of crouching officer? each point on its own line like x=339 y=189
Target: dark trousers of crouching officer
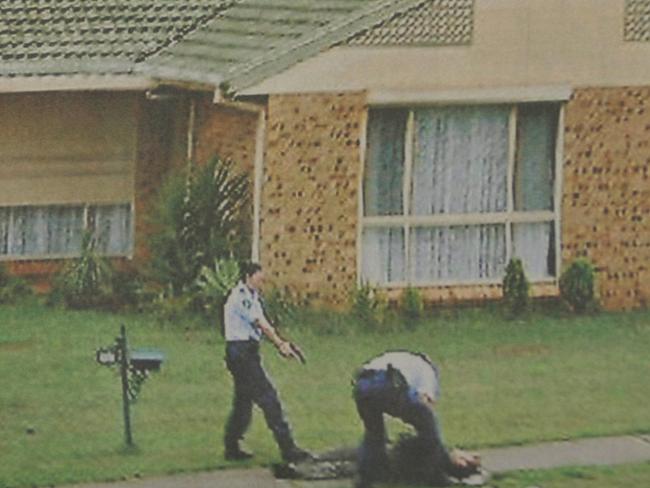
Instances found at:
x=403 y=385
x=245 y=325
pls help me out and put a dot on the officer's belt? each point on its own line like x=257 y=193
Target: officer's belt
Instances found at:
x=394 y=376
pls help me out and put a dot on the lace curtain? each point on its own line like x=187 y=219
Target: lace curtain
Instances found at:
x=460 y=160
x=42 y=231
x=459 y=166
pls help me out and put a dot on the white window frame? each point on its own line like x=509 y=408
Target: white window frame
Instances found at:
x=86 y=206
x=507 y=218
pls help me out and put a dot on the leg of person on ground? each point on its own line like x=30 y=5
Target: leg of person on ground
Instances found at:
x=372 y=458
x=425 y=422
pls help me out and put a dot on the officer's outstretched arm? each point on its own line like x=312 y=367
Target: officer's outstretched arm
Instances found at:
x=284 y=347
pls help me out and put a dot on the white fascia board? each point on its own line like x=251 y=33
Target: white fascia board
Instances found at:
x=25 y=84
x=521 y=94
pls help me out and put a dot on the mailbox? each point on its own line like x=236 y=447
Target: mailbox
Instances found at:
x=134 y=367
x=146 y=359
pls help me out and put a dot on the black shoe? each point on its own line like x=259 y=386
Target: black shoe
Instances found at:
x=297 y=455
x=237 y=455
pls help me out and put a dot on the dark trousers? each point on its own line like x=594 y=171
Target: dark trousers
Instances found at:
x=375 y=395
x=252 y=385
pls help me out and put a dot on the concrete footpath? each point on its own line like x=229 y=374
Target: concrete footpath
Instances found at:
x=599 y=451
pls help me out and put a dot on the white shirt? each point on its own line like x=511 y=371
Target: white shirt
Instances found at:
x=419 y=373
x=242 y=309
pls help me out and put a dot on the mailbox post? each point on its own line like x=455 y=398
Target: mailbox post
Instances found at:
x=134 y=370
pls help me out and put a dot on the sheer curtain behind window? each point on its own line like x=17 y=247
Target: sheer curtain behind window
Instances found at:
x=534 y=243
x=460 y=160
x=57 y=230
x=111 y=227
x=383 y=254
x=384 y=171
x=460 y=166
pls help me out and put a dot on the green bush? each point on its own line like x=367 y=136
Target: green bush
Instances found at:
x=85 y=282
x=173 y=308
x=200 y=216
x=127 y=288
x=577 y=285
x=411 y=306
x=368 y=307
x=515 y=287
x=12 y=288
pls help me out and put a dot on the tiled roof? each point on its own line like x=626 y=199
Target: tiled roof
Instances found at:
x=233 y=43
x=637 y=20
x=257 y=38
x=431 y=22
x=77 y=36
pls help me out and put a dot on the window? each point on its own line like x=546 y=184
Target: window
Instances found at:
x=451 y=193
x=55 y=231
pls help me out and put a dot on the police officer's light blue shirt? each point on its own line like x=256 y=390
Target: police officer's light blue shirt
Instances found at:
x=243 y=308
x=420 y=374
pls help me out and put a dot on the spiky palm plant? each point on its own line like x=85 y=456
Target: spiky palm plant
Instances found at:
x=199 y=219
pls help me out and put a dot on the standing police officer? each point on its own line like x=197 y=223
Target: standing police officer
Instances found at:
x=404 y=385
x=245 y=324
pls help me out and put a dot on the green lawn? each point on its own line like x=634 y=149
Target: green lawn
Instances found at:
x=547 y=377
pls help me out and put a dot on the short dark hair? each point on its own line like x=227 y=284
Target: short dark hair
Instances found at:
x=249 y=269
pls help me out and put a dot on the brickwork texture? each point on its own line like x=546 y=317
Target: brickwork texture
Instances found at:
x=606 y=204
x=310 y=194
x=226 y=132
x=161 y=135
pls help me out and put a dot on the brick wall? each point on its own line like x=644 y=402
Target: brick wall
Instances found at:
x=227 y=132
x=606 y=204
x=162 y=132
x=230 y=133
x=310 y=194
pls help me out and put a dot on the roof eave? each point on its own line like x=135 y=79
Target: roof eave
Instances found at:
x=76 y=82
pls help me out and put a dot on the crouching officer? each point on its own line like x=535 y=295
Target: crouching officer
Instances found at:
x=403 y=385
x=244 y=325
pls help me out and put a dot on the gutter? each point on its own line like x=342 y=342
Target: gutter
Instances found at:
x=30 y=84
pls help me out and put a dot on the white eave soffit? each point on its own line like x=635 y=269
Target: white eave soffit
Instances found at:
x=75 y=83
x=549 y=93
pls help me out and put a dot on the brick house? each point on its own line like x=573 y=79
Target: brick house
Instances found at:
x=404 y=142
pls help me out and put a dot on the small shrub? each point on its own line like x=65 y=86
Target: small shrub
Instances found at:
x=85 y=282
x=174 y=308
x=127 y=288
x=515 y=287
x=368 y=306
x=411 y=306
x=12 y=288
x=577 y=285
